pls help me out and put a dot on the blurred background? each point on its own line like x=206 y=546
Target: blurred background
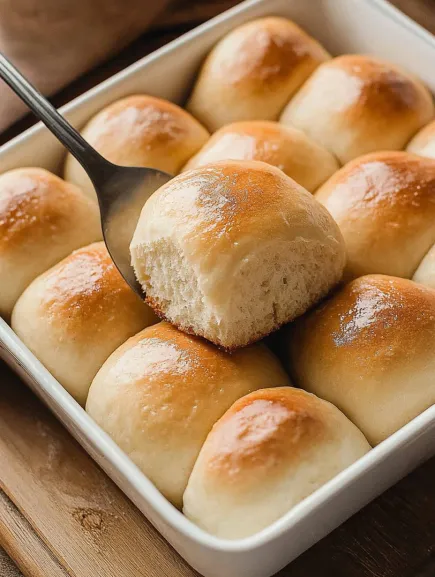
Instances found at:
x=66 y=47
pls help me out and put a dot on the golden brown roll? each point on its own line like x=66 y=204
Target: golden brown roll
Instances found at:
x=370 y=350
x=282 y=146
x=270 y=450
x=74 y=316
x=253 y=71
x=140 y=130
x=357 y=104
x=384 y=204
x=42 y=219
x=423 y=142
x=161 y=392
x=233 y=250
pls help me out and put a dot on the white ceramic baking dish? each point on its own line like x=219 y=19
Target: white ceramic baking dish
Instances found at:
x=367 y=26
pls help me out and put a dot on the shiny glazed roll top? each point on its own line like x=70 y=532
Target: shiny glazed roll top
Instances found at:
x=370 y=350
x=270 y=450
x=355 y=104
x=384 y=204
x=253 y=71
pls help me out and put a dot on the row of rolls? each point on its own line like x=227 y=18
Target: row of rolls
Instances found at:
x=236 y=435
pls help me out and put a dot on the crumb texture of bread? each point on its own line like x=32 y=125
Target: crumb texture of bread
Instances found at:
x=233 y=250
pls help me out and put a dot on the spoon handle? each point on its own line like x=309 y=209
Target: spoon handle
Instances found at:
x=89 y=158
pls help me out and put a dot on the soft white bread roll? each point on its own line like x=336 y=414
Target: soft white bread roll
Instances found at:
x=161 y=392
x=285 y=147
x=140 y=130
x=233 y=250
x=357 y=104
x=425 y=273
x=42 y=219
x=270 y=450
x=423 y=142
x=384 y=204
x=370 y=350
x=74 y=316
x=253 y=71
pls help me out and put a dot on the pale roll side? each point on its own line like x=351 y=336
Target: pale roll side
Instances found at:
x=425 y=273
x=423 y=142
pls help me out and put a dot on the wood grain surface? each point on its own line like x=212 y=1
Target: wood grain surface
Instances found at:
x=83 y=519
x=21 y=541
x=60 y=516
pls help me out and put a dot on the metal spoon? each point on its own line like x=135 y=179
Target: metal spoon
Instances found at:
x=121 y=191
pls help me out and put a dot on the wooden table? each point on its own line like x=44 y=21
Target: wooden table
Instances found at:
x=60 y=516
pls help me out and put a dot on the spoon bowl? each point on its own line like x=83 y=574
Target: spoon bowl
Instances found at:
x=121 y=199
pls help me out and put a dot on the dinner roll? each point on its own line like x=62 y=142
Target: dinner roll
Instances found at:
x=370 y=350
x=270 y=450
x=161 y=392
x=423 y=142
x=425 y=273
x=74 y=316
x=140 y=130
x=384 y=204
x=253 y=71
x=42 y=219
x=232 y=250
x=285 y=147
x=356 y=104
